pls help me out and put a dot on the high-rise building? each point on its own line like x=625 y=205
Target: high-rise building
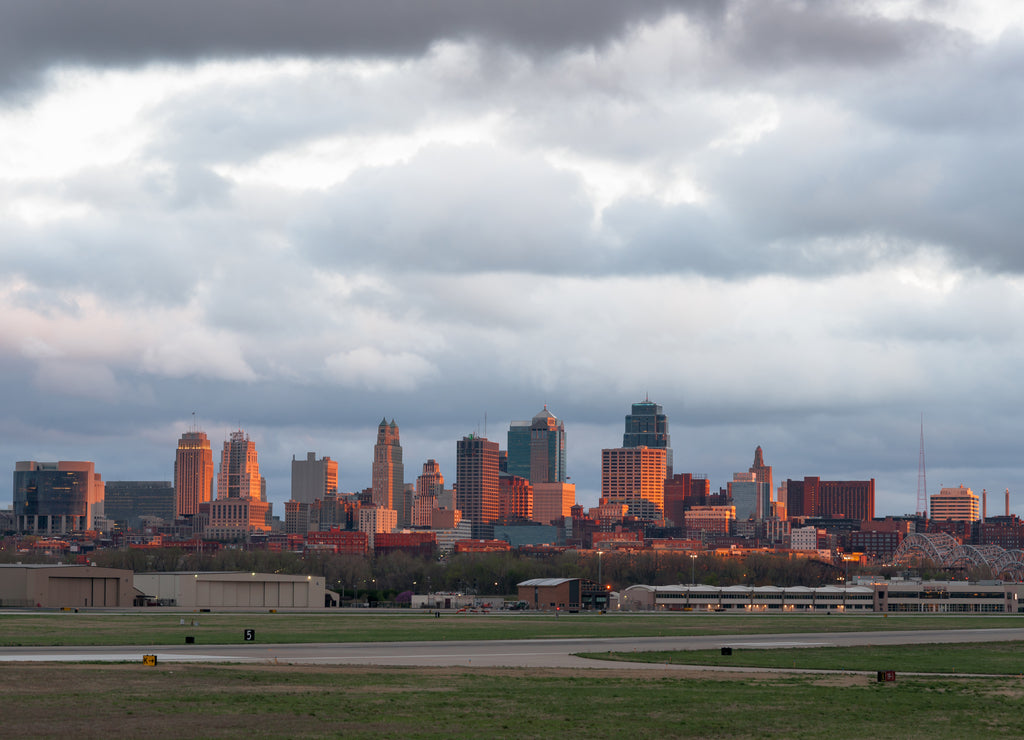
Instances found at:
x=958 y=504
x=536 y=449
x=429 y=486
x=762 y=473
x=647 y=426
x=552 y=501
x=476 y=483
x=313 y=479
x=751 y=497
x=239 y=475
x=515 y=498
x=634 y=476
x=56 y=497
x=241 y=506
x=193 y=473
x=388 y=477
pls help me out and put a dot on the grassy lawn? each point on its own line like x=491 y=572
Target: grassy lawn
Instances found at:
x=991 y=658
x=164 y=628
x=94 y=701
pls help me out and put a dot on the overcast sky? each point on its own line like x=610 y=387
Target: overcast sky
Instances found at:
x=793 y=224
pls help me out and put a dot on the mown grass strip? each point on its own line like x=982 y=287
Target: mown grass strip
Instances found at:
x=165 y=628
x=999 y=658
x=288 y=701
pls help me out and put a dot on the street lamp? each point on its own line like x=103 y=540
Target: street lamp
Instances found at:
x=693 y=568
x=600 y=581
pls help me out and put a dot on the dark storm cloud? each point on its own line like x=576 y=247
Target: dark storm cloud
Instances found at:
x=782 y=34
x=35 y=35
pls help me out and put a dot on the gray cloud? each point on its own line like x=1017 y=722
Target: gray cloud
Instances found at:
x=122 y=33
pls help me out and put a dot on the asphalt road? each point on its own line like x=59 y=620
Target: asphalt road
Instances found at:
x=556 y=653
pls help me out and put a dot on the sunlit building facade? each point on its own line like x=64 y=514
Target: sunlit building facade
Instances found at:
x=476 y=482
x=635 y=477
x=958 y=504
x=56 y=497
x=193 y=473
x=388 y=475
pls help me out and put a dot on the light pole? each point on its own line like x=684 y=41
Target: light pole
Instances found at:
x=693 y=568
x=600 y=580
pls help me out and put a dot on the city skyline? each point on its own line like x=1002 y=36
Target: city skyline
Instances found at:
x=790 y=224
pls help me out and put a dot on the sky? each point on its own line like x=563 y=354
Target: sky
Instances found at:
x=792 y=224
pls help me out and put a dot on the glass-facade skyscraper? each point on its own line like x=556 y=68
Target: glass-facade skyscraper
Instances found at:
x=536 y=448
x=647 y=426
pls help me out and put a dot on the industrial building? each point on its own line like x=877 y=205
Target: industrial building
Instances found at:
x=198 y=590
x=72 y=586
x=986 y=597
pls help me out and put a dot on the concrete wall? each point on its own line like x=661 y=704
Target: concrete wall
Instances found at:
x=65 y=585
x=239 y=590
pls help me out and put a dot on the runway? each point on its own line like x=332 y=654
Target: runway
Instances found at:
x=552 y=653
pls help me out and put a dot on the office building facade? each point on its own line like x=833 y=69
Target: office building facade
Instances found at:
x=647 y=426
x=239 y=475
x=193 y=473
x=958 y=504
x=476 y=483
x=313 y=479
x=388 y=476
x=56 y=497
x=635 y=477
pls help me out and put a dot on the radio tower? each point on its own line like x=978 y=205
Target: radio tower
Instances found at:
x=922 y=479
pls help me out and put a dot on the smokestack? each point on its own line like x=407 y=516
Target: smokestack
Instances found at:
x=1007 y=502
x=984 y=504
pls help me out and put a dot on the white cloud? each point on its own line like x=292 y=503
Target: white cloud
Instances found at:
x=369 y=368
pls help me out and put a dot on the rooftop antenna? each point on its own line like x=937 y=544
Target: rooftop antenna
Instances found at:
x=485 y=425
x=922 y=479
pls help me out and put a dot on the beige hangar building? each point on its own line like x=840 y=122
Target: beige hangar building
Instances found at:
x=216 y=590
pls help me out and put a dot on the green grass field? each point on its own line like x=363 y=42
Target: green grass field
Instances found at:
x=1003 y=658
x=85 y=700
x=99 y=701
x=164 y=628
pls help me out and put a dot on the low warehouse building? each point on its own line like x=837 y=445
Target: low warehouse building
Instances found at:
x=199 y=590
x=562 y=594
x=65 y=586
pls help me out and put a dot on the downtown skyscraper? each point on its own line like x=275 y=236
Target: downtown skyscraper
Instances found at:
x=239 y=475
x=388 y=475
x=193 y=473
x=536 y=448
x=476 y=483
x=647 y=426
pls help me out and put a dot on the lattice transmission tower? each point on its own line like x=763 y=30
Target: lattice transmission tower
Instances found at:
x=922 y=479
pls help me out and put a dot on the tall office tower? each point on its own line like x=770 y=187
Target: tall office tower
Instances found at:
x=56 y=497
x=476 y=483
x=536 y=449
x=313 y=479
x=635 y=477
x=762 y=473
x=193 y=473
x=515 y=498
x=958 y=504
x=751 y=497
x=239 y=475
x=647 y=426
x=389 y=472
x=429 y=486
